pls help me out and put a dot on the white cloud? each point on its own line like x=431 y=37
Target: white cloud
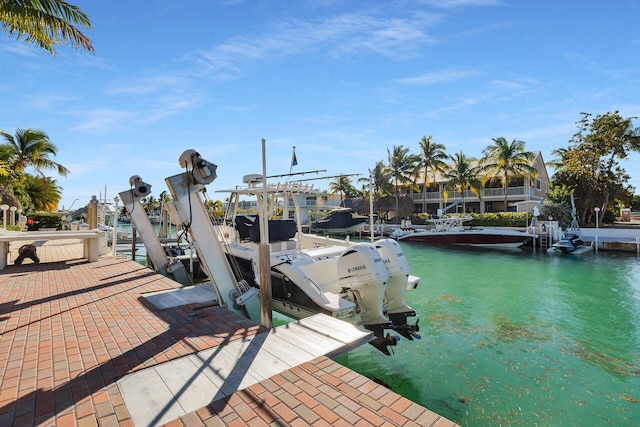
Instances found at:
x=104 y=119
x=440 y=76
x=350 y=33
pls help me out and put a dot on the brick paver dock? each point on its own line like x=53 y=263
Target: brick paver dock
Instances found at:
x=71 y=329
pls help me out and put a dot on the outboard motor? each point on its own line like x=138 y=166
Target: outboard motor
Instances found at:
x=362 y=277
x=395 y=303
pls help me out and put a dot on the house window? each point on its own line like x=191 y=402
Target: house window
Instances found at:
x=538 y=184
x=311 y=200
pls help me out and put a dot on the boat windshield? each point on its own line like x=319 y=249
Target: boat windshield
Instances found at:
x=448 y=223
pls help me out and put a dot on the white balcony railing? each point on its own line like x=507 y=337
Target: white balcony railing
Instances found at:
x=454 y=195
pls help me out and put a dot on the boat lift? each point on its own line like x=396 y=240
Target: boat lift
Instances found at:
x=163 y=262
x=446 y=208
x=188 y=210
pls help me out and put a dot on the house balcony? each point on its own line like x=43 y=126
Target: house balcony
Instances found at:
x=487 y=194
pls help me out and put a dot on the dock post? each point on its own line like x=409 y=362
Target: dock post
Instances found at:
x=264 y=249
x=266 y=316
x=134 y=237
x=92 y=213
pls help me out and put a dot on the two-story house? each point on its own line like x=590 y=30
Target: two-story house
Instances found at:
x=519 y=191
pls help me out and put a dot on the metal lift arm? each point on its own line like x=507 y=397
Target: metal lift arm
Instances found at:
x=166 y=265
x=191 y=213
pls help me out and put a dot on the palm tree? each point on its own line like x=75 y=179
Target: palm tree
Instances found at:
x=461 y=176
x=32 y=147
x=343 y=186
x=44 y=192
x=402 y=166
x=506 y=160
x=432 y=158
x=45 y=23
x=560 y=155
x=150 y=204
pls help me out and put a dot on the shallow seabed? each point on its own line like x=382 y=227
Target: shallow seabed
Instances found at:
x=519 y=338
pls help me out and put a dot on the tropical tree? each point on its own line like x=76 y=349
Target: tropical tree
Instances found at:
x=28 y=149
x=431 y=160
x=150 y=204
x=32 y=147
x=402 y=166
x=43 y=192
x=559 y=157
x=45 y=23
x=461 y=175
x=504 y=160
x=591 y=163
x=380 y=180
x=343 y=186
x=214 y=209
x=4 y=168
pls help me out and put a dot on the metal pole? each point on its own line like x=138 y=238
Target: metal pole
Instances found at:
x=114 y=236
x=134 y=237
x=371 y=206
x=597 y=226
x=266 y=316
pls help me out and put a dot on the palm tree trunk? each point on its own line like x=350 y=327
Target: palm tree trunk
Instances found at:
x=397 y=208
x=506 y=184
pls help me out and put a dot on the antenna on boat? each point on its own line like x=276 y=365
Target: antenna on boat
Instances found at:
x=328 y=177
x=371 y=205
x=297 y=173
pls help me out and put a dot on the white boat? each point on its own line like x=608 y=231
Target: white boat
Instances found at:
x=450 y=230
x=365 y=283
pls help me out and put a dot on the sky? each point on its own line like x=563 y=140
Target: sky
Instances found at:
x=341 y=80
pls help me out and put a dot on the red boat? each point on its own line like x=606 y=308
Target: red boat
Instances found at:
x=450 y=231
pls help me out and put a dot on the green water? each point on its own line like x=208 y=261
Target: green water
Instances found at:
x=519 y=338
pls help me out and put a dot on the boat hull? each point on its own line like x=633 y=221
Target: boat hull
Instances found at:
x=480 y=238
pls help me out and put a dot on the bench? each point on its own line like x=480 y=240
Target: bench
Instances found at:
x=90 y=240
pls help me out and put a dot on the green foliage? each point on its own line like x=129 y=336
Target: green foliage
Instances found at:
x=420 y=218
x=500 y=219
x=591 y=163
x=45 y=23
x=47 y=220
x=560 y=193
x=12 y=227
x=559 y=211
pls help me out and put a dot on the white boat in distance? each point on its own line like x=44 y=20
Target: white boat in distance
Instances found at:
x=449 y=230
x=341 y=221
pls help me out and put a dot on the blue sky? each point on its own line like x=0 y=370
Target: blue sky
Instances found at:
x=341 y=80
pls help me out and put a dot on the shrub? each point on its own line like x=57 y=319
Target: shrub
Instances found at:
x=501 y=219
x=47 y=220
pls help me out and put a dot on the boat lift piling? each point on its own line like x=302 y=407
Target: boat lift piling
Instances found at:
x=264 y=252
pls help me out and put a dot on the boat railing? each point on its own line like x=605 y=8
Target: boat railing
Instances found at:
x=450 y=223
